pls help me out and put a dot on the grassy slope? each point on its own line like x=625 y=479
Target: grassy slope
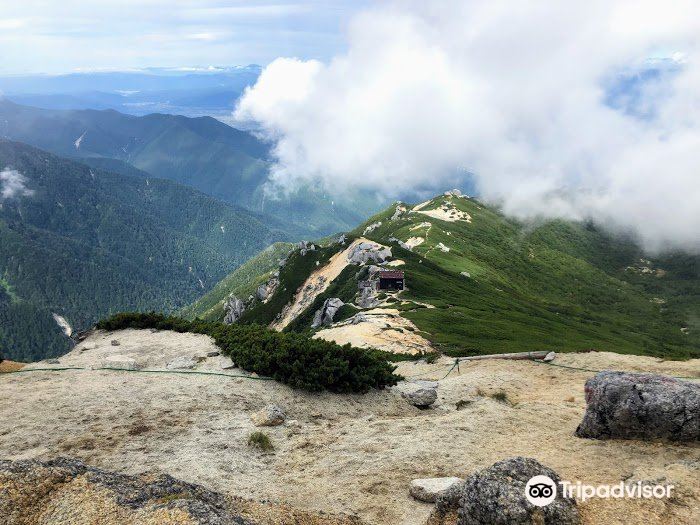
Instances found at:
x=241 y=282
x=552 y=285
x=555 y=285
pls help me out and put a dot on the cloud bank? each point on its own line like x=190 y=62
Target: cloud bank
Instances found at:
x=517 y=93
x=13 y=184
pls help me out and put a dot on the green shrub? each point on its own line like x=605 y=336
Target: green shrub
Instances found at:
x=291 y=358
x=261 y=441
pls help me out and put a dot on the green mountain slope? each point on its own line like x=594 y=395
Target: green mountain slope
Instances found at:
x=204 y=153
x=82 y=243
x=242 y=282
x=496 y=285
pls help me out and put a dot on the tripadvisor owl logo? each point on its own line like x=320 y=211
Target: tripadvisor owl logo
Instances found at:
x=541 y=491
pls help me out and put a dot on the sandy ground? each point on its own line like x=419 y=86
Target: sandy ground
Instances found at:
x=316 y=284
x=354 y=454
x=446 y=212
x=384 y=329
x=412 y=242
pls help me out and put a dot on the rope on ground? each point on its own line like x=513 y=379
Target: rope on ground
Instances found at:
x=596 y=371
x=114 y=369
x=456 y=365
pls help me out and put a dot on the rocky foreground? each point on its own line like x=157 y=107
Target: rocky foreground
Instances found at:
x=338 y=458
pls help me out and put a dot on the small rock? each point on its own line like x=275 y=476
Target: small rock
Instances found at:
x=114 y=342
x=429 y=489
x=270 y=416
x=294 y=426
x=549 y=357
x=623 y=405
x=183 y=362
x=421 y=394
x=226 y=363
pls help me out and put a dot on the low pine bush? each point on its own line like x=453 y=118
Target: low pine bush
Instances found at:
x=291 y=358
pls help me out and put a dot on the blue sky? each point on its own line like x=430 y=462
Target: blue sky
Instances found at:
x=51 y=36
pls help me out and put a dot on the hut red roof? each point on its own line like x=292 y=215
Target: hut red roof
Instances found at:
x=391 y=274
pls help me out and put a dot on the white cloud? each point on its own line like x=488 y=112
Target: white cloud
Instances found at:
x=512 y=91
x=13 y=184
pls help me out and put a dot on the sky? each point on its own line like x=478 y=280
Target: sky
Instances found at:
x=581 y=110
x=59 y=36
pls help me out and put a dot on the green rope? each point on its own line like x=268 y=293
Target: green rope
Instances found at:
x=596 y=371
x=140 y=371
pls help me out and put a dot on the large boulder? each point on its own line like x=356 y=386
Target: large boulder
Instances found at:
x=365 y=252
x=496 y=496
x=233 y=309
x=429 y=489
x=623 y=405
x=324 y=315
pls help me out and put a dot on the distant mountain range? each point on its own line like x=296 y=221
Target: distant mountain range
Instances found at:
x=203 y=153
x=78 y=243
x=186 y=91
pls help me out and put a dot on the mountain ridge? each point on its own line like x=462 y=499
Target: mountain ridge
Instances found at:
x=479 y=282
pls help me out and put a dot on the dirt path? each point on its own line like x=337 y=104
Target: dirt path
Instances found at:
x=354 y=454
x=316 y=284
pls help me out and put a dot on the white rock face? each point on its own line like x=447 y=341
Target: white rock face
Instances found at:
x=429 y=489
x=270 y=416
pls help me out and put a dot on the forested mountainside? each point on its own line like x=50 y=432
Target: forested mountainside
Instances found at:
x=478 y=282
x=204 y=153
x=81 y=243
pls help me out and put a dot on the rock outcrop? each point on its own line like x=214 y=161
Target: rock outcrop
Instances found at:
x=496 y=496
x=365 y=252
x=68 y=491
x=622 y=405
x=233 y=309
x=324 y=316
x=306 y=247
x=266 y=290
